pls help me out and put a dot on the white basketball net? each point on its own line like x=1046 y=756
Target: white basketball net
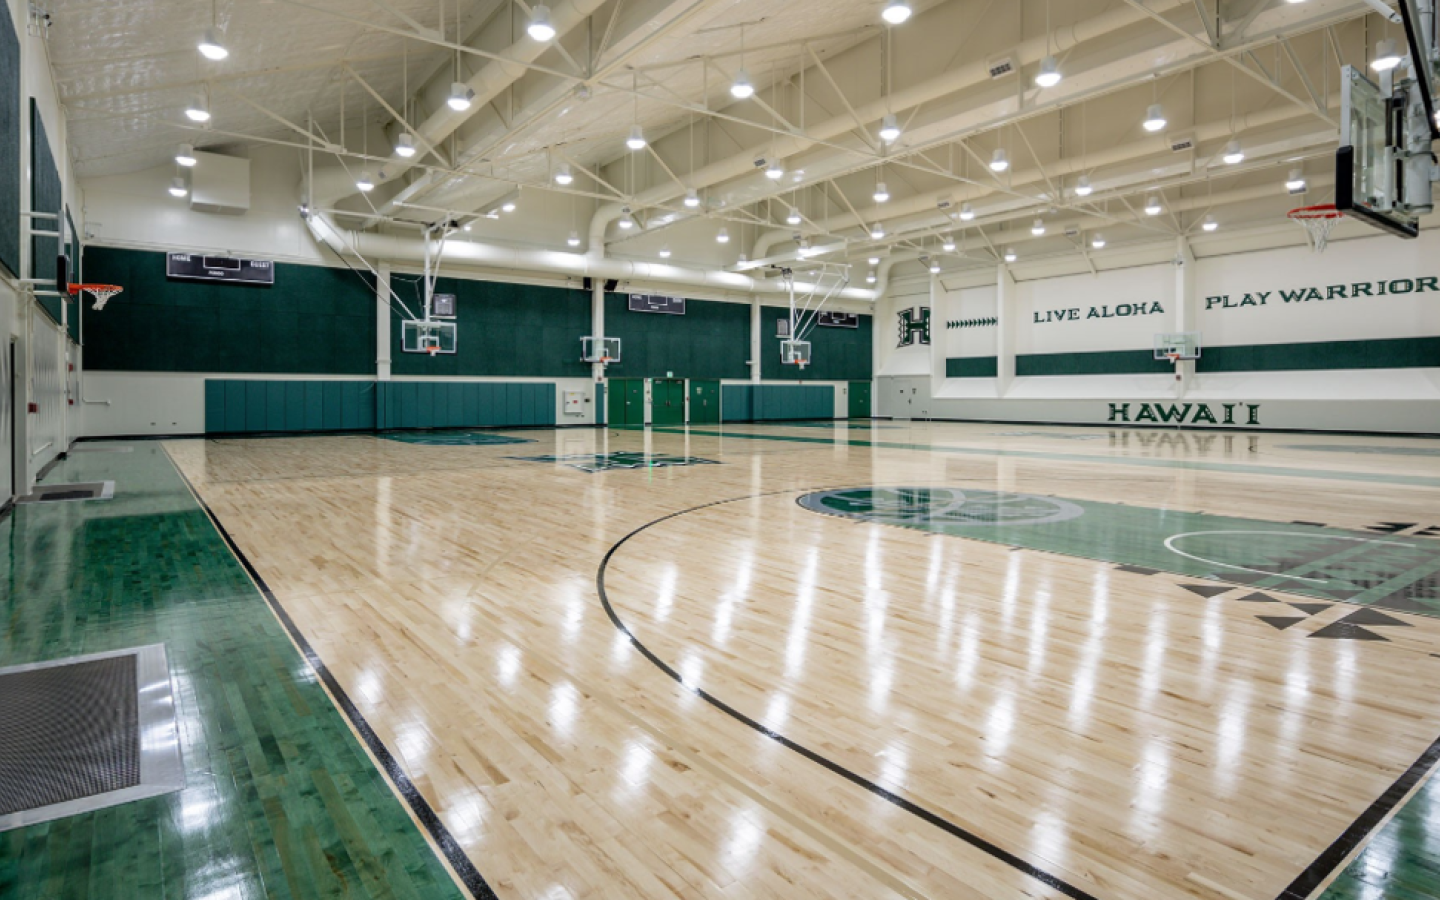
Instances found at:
x=102 y=295
x=1317 y=225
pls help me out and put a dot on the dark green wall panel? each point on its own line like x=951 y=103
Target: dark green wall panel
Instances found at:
x=239 y=407
x=972 y=367
x=313 y=321
x=836 y=354
x=774 y=402
x=712 y=340
x=46 y=195
x=516 y=330
x=11 y=166
x=1104 y=362
x=460 y=404
x=1397 y=353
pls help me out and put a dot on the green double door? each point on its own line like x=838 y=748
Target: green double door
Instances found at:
x=704 y=402
x=625 y=401
x=667 y=401
x=859 y=400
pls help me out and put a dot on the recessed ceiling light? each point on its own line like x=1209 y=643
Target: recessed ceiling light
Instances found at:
x=198 y=110
x=889 y=129
x=895 y=12
x=742 y=88
x=460 y=96
x=1049 y=74
x=210 y=46
x=185 y=155
x=540 y=28
x=1154 y=118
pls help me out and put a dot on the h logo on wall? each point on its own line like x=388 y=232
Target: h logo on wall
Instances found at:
x=914 y=326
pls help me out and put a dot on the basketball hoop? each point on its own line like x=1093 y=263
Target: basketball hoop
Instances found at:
x=433 y=349
x=101 y=292
x=1317 y=221
x=1173 y=357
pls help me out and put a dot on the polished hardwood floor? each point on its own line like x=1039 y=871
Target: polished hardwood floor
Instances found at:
x=616 y=679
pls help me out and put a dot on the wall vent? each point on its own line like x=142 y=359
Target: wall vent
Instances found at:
x=1183 y=143
x=1001 y=67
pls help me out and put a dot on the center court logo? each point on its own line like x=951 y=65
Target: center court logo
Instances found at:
x=939 y=508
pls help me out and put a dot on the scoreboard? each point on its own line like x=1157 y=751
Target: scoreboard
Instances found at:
x=200 y=267
x=838 y=320
x=656 y=303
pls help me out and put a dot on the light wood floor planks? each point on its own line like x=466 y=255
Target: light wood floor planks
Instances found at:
x=1113 y=730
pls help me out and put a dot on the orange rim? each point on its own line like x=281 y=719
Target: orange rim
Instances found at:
x=1323 y=211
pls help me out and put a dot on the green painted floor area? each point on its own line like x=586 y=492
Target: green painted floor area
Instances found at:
x=281 y=799
x=1402 y=861
x=1401 y=574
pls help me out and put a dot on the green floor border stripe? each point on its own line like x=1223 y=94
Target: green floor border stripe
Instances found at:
x=1326 y=474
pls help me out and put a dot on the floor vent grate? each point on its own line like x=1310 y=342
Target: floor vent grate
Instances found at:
x=53 y=493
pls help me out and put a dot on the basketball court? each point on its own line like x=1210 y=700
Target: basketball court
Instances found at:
x=655 y=450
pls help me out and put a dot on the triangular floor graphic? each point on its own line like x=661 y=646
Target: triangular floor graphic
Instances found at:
x=1207 y=590
x=1279 y=622
x=1390 y=527
x=1257 y=597
x=1344 y=632
x=1311 y=609
x=1372 y=617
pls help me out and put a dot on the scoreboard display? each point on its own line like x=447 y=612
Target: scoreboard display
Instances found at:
x=838 y=320
x=656 y=303
x=200 y=267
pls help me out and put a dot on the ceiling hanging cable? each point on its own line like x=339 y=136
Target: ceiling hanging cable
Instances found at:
x=889 y=126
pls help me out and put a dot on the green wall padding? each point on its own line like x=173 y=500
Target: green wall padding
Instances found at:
x=1396 y=353
x=1104 y=362
x=45 y=196
x=836 y=354
x=772 y=402
x=972 y=367
x=11 y=167
x=514 y=330
x=314 y=320
x=239 y=407
x=252 y=406
x=712 y=340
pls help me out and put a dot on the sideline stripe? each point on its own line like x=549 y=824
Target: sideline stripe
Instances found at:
x=909 y=806
x=464 y=869
x=1326 y=474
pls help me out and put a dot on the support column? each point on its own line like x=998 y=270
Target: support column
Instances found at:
x=597 y=326
x=1007 y=323
x=382 y=323
x=938 y=309
x=1185 y=304
x=755 y=339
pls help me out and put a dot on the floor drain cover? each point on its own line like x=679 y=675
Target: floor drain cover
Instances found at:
x=89 y=490
x=85 y=733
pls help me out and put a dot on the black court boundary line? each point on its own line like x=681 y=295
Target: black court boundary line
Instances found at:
x=1359 y=831
x=464 y=869
x=909 y=806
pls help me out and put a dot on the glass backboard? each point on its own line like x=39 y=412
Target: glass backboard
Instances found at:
x=420 y=336
x=1367 y=177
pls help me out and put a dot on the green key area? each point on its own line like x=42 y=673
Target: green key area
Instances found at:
x=281 y=799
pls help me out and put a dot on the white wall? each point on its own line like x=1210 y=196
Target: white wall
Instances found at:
x=1233 y=300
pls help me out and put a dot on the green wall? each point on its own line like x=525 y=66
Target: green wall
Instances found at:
x=972 y=367
x=712 y=340
x=1397 y=353
x=515 y=330
x=45 y=196
x=836 y=354
x=10 y=163
x=314 y=320
x=240 y=407
x=768 y=402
